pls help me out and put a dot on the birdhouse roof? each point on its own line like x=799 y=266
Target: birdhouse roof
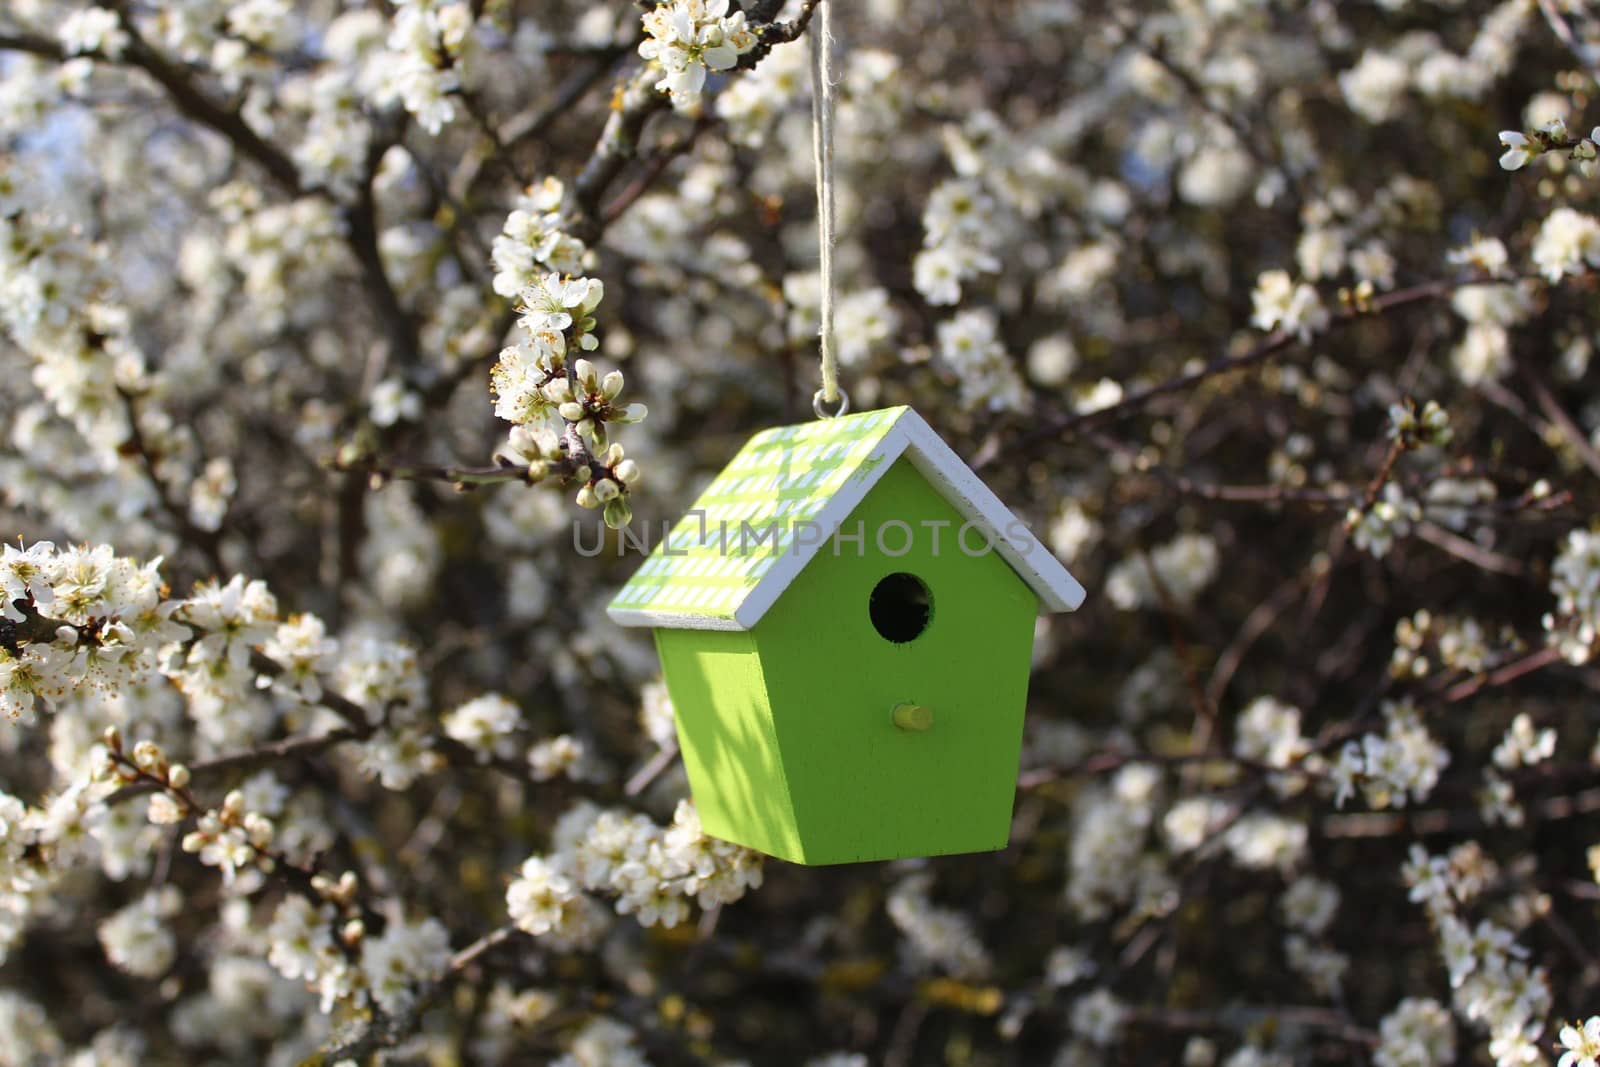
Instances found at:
x=729 y=559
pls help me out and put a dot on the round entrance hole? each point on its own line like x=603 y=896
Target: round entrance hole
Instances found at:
x=901 y=607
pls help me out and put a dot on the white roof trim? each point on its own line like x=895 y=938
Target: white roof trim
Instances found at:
x=1035 y=564
x=662 y=620
x=950 y=477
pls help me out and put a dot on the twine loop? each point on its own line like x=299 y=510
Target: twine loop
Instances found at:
x=818 y=399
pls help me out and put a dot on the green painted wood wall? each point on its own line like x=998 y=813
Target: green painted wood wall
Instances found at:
x=787 y=731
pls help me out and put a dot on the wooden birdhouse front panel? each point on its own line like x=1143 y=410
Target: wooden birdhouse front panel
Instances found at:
x=854 y=637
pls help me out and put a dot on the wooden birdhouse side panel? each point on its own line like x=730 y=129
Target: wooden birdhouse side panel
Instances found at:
x=862 y=787
x=726 y=733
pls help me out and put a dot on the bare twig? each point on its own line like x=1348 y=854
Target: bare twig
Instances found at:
x=1258 y=622
x=1106 y=762
x=1534 y=661
x=1204 y=710
x=463 y=478
x=1380 y=478
x=1575 y=437
x=273 y=752
x=1272 y=345
x=653 y=769
x=1563 y=30
x=532 y=124
x=206 y=542
x=1331 y=1021
x=655 y=166
x=1330 y=496
x=1463 y=549
x=1432 y=823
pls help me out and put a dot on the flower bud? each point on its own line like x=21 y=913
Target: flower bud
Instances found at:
x=147 y=755
x=105 y=764
x=164 y=810
x=260 y=829
x=618 y=514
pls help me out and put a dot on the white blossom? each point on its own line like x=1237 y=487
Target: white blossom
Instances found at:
x=1519 y=150
x=970 y=344
x=1417 y=1033
x=1581 y=1044
x=1568 y=243
x=405 y=956
x=94 y=29
x=485 y=725
x=1099 y=1017
x=1523 y=745
x=1373 y=87
x=1280 y=303
x=1181 y=569
x=1375 y=529
x=138 y=939
x=687 y=39
x=936 y=936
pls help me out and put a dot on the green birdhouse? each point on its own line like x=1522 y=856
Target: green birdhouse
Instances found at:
x=845 y=622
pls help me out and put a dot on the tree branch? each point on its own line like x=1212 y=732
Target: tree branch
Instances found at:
x=638 y=103
x=206 y=542
x=385 y=1031
x=1273 y=344
x=247 y=759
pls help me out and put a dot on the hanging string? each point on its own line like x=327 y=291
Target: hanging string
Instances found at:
x=822 y=153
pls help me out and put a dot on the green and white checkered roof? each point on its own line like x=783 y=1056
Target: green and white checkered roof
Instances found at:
x=711 y=573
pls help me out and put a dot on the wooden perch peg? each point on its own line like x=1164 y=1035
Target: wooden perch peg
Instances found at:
x=912 y=717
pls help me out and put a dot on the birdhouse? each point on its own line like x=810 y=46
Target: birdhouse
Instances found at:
x=845 y=623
